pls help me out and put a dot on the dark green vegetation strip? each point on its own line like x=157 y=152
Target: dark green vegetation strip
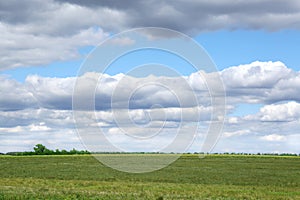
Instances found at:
x=214 y=177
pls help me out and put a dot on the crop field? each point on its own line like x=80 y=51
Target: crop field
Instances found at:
x=213 y=177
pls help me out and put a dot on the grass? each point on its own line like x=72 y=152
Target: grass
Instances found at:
x=214 y=177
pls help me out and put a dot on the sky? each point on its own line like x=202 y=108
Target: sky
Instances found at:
x=55 y=90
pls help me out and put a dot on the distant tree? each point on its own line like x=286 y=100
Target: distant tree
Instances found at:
x=73 y=151
x=57 y=152
x=64 y=152
x=48 y=152
x=40 y=149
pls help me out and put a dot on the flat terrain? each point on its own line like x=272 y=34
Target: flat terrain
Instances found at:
x=213 y=177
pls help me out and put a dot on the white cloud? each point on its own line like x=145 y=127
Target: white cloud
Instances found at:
x=255 y=75
x=19 y=49
x=42 y=106
x=14 y=96
x=273 y=138
x=39 y=127
x=36 y=32
x=29 y=128
x=51 y=92
x=261 y=82
x=233 y=120
x=281 y=112
x=16 y=129
x=253 y=83
x=236 y=133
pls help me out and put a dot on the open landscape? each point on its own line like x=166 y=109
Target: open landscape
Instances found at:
x=156 y=100
x=212 y=177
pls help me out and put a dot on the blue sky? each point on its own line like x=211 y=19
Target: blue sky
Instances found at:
x=232 y=48
x=255 y=46
x=226 y=48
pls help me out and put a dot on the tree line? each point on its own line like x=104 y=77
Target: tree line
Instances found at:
x=40 y=149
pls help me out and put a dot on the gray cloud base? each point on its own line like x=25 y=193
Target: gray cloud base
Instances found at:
x=36 y=32
x=258 y=82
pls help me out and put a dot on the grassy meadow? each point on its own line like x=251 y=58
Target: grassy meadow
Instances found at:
x=213 y=177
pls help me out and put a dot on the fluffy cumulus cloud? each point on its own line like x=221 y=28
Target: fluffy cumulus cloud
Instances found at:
x=280 y=112
x=261 y=82
x=41 y=107
x=36 y=32
x=257 y=82
x=14 y=96
x=51 y=92
x=255 y=75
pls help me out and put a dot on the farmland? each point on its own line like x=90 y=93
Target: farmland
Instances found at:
x=213 y=177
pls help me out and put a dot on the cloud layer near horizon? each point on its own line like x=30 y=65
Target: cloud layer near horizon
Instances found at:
x=254 y=83
x=41 y=108
x=36 y=32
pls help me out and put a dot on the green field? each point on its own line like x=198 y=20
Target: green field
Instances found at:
x=213 y=177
